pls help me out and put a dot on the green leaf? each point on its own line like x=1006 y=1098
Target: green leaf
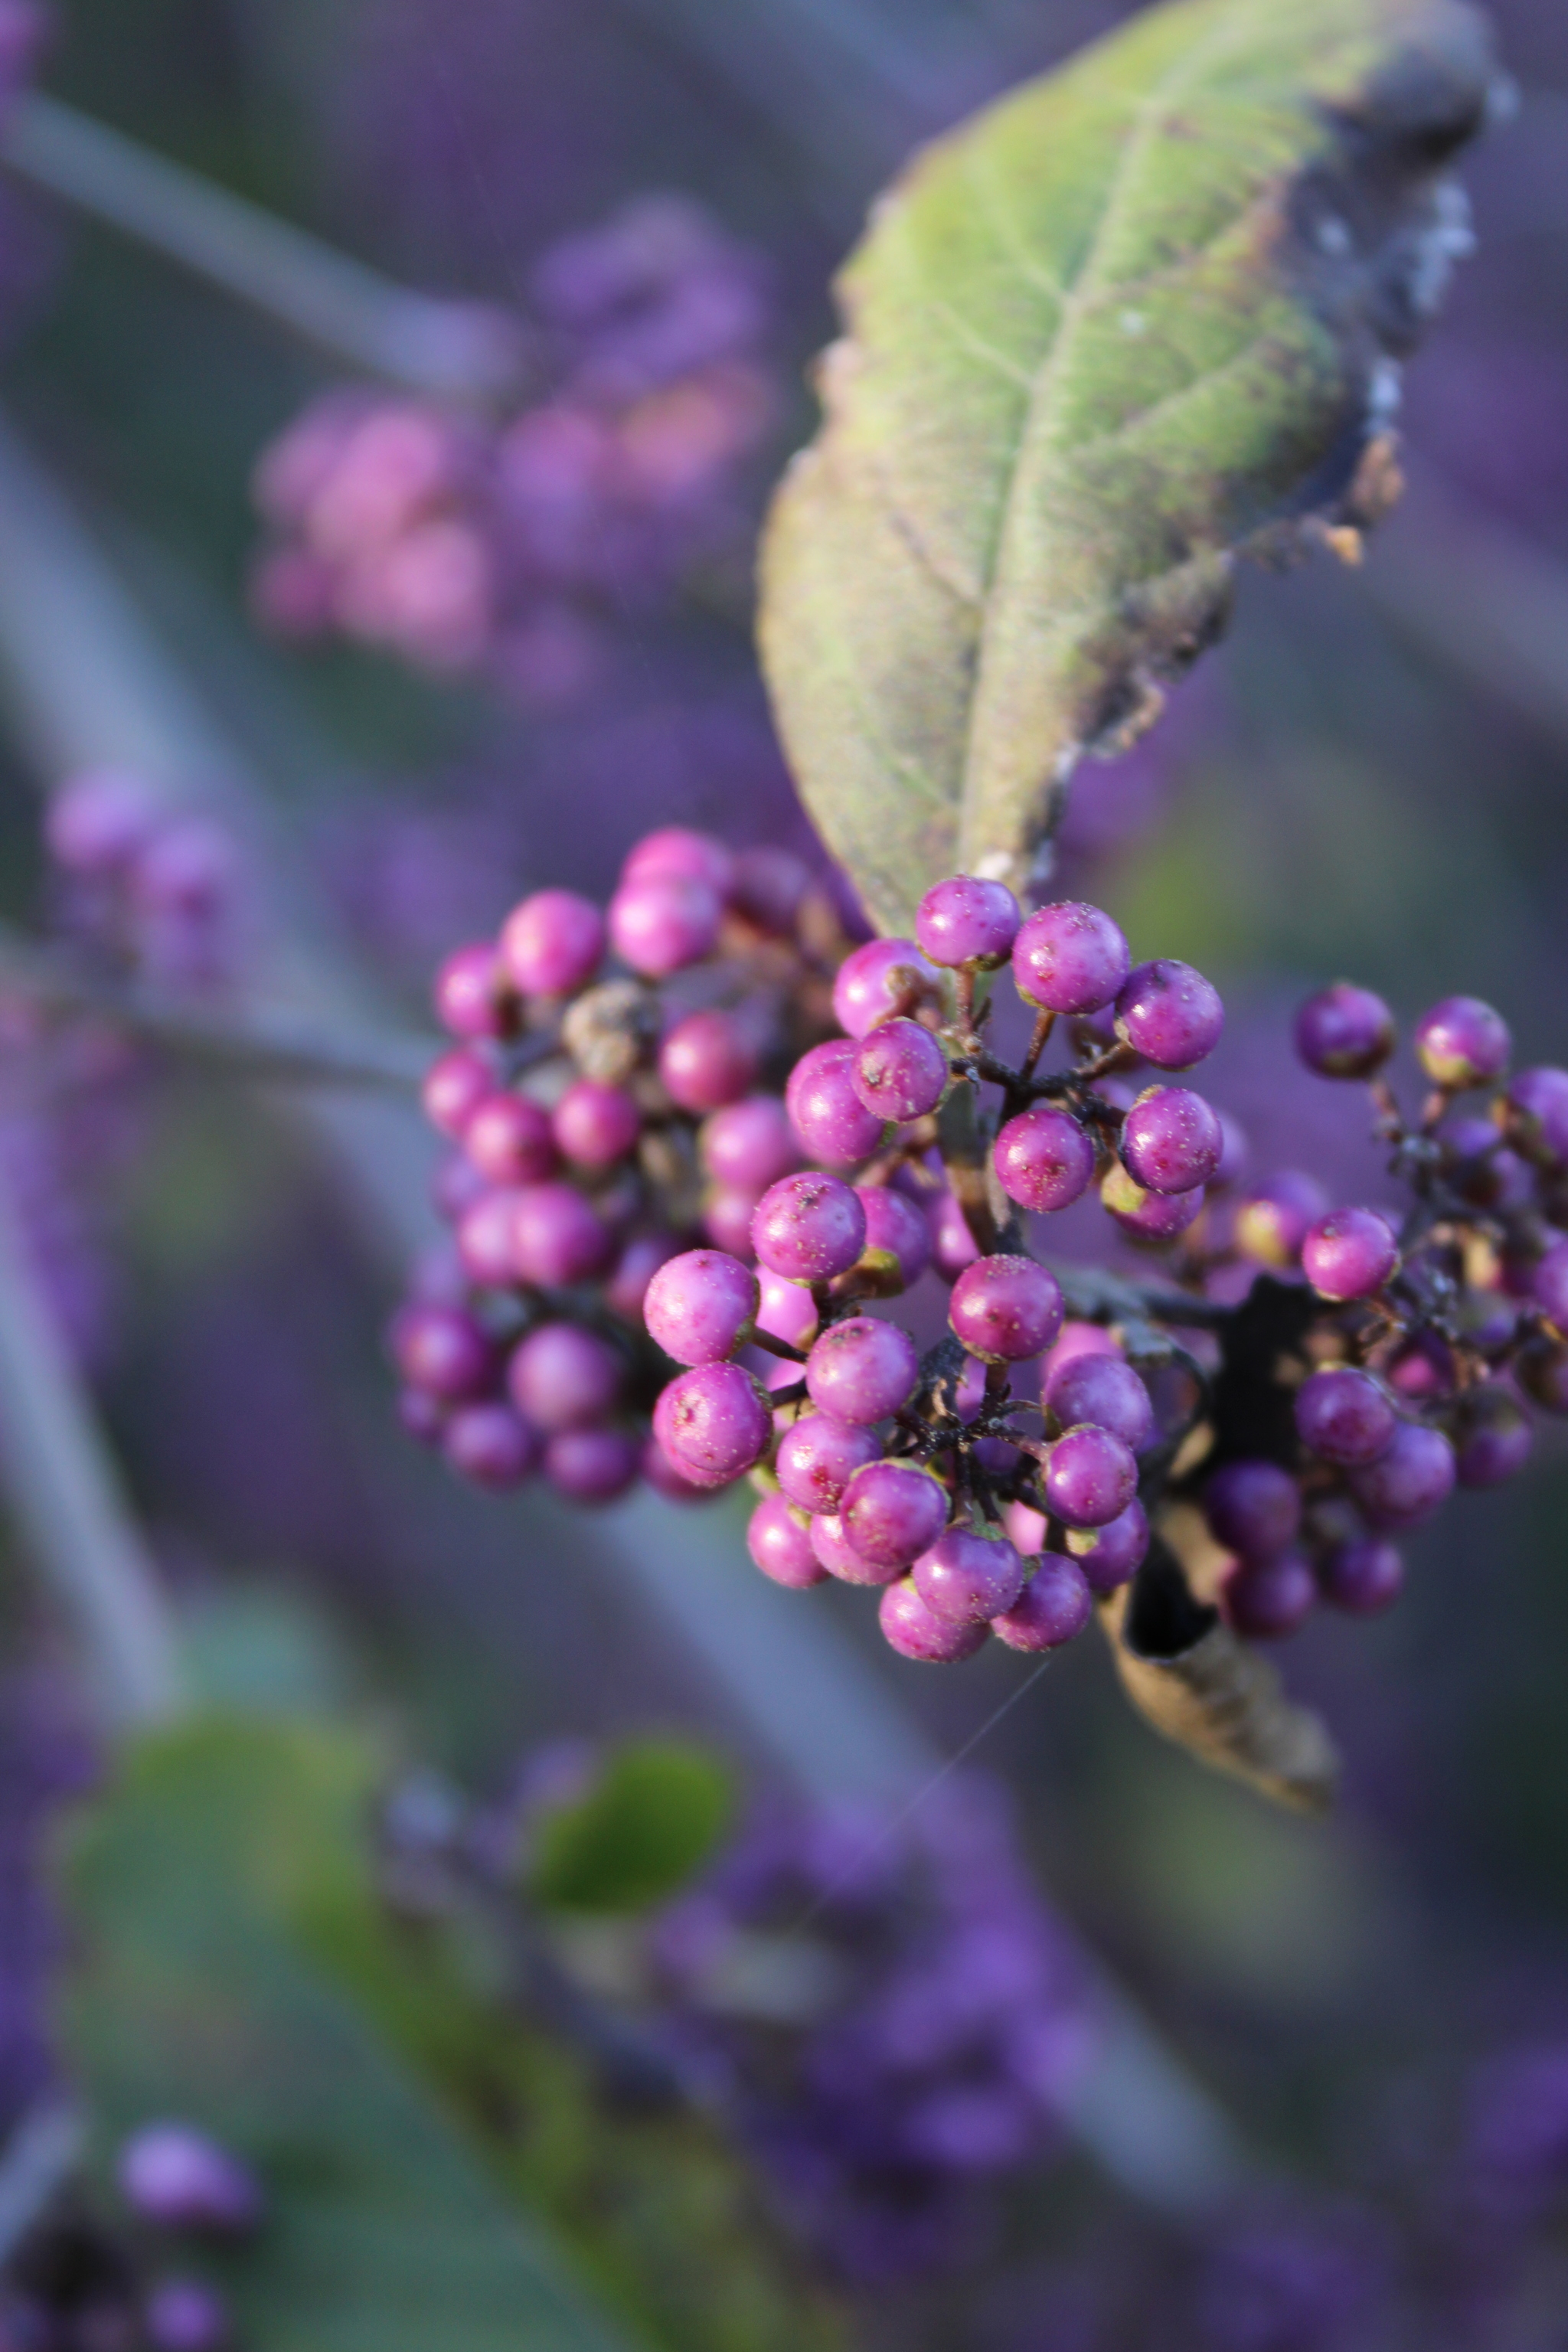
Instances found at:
x=1130 y=323
x=648 y=1823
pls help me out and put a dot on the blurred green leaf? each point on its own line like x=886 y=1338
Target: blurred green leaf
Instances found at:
x=1130 y=323
x=648 y=1823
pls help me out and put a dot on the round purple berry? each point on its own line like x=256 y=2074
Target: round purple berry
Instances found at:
x=1345 y=1031
x=662 y=923
x=1462 y=1042
x=768 y=888
x=1006 y=1309
x=1350 y=1253
x=876 y=982
x=708 y=1060
x=1169 y=1015
x=1275 y=1216
x=1254 y=1508
x=953 y=1246
x=553 y=944
x=661 y=1474
x=454 y=1088
x=713 y=1424
x=1171 y=1141
x=830 y=1542
x=595 y=1125
x=786 y=1311
x=1410 y=1482
x=443 y=1351
x=701 y=1307
x=508 y=1139
x=1363 y=1578
x=185 y=2316
x=899 y=1071
x=177 y=2179
x=1268 y=1600
x=557 y=1237
x=486 y=1243
x=727 y=1220
x=591 y=1466
x=1549 y=1286
x=1052 y=1610
x=892 y=1512
x=1534 y=1113
x=911 y=1628
x=676 y=849
x=824 y=1110
x=895 y=1231
x=1070 y=957
x=1044 y=1160
x=808 y=1228
x=748 y=1145
x=98 y=820
x=968 y=1579
x=818 y=1457
x=492 y=1445
x=779 y=1540
x=456 y=1185
x=1090 y=1477
x=469 y=993
x=1117 y=1551
x=1345 y=1416
x=1099 y=1391
x=1150 y=1217
x=968 y=923
x=562 y=1377
x=1492 y=1436
x=862 y=1370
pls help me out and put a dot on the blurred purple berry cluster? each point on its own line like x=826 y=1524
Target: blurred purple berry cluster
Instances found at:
x=154 y=893
x=465 y=544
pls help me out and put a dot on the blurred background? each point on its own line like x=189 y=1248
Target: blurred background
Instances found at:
x=1366 y=782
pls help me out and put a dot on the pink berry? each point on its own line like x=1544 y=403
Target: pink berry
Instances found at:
x=508 y=1139
x=96 y=822
x=892 y=1512
x=1090 y=1478
x=1169 y=1015
x=661 y=1474
x=953 y=1247
x=492 y=1445
x=1006 y=1309
x=708 y=1060
x=562 y=1377
x=443 y=1351
x=808 y=1228
x=454 y=1088
x=1171 y=1141
x=1254 y=1507
x=693 y=856
x=779 y=1540
x=786 y=1311
x=663 y=924
x=748 y=1145
x=1344 y=1032
x=557 y=1237
x=1345 y=1416
x=1350 y=1253
x=1268 y=1600
x=968 y=1579
x=830 y=1543
x=885 y=978
x=768 y=888
x=727 y=1217
x=1044 y=1160
x=910 y=1627
x=591 y=1466
x=896 y=1229
x=595 y=1125
x=553 y=944
x=1053 y=1608
x=1276 y=1215
x=1116 y=1550
x=701 y=1307
x=1070 y=957
x=1100 y=1392
x=1462 y=1042
x=1410 y=1481
x=862 y=1370
x=1148 y=1217
x=1363 y=1578
x=900 y=1072
x=818 y=1457
x=1534 y=1113
x=824 y=1110
x=469 y=993
x=713 y=1424
x=966 y=923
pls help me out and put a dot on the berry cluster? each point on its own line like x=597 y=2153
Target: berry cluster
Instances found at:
x=463 y=544
x=154 y=892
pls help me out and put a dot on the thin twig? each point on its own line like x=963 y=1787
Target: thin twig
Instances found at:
x=428 y=345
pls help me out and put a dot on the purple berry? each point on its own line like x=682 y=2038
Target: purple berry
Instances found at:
x=953 y=1247
x=892 y=1512
x=1116 y=1551
x=1053 y=1608
x=1171 y=1141
x=1100 y=1392
x=895 y=1229
x=177 y=2179
x=1350 y=1253
x=1534 y=1112
x=1170 y=1015
x=1276 y=1215
x=1090 y=1478
x=1462 y=1042
x=1479 y=1168
x=1492 y=1436
x=1150 y=1217
x=1268 y=1600
x=786 y=1310
x=1070 y=957
x=443 y=1351
x=662 y=924
x=1235 y=1153
x=661 y=1474
x=1345 y=1031
x=830 y=1542
x=595 y=1125
x=553 y=944
x=967 y=1579
x=486 y=1243
x=183 y=2316
x=748 y=1145
x=1410 y=1482
x=808 y=1228
x=818 y=1457
x=1363 y=1578
x=508 y=1139
x=884 y=978
x=910 y=1627
x=727 y=1220
x=1345 y=1416
x=1549 y=1287
x=421 y=1416
x=492 y=1445
x=96 y=822
x=701 y=1307
x=591 y=1466
x=862 y=1370
x=1006 y=1309
x=768 y=888
x=713 y=1424
x=1254 y=1508
x=676 y=849
x=563 y=1377
x=557 y=1237
x=469 y=993
x=708 y=1060
x=1542 y=1369
x=779 y=1540
x=965 y=922
x=825 y=1110
x=454 y=1088
x=899 y=1071
x=1044 y=1160
x=456 y=1185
